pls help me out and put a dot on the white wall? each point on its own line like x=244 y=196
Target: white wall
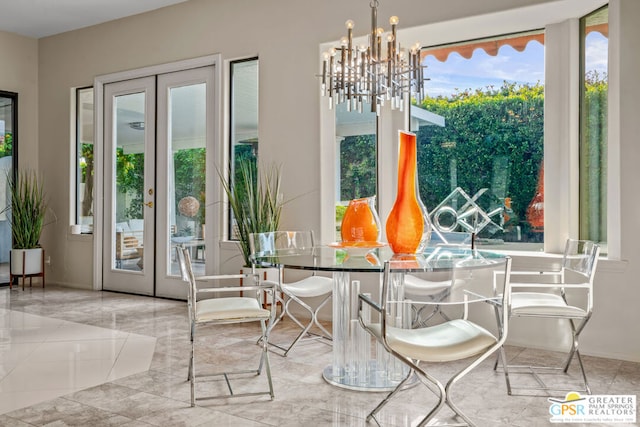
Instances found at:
x=286 y=34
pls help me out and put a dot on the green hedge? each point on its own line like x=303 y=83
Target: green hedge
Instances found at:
x=493 y=138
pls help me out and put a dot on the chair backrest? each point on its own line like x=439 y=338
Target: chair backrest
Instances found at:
x=472 y=279
x=280 y=242
x=186 y=270
x=581 y=256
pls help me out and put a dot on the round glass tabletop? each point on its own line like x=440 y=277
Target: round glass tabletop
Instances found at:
x=360 y=259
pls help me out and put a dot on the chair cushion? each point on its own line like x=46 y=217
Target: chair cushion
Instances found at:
x=453 y=340
x=542 y=304
x=312 y=286
x=230 y=308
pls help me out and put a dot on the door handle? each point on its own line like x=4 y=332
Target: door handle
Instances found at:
x=149 y=204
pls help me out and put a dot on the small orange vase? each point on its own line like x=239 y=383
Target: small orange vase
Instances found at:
x=361 y=222
x=406 y=223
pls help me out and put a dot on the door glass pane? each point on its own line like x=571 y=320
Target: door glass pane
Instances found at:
x=129 y=137
x=187 y=165
x=7 y=123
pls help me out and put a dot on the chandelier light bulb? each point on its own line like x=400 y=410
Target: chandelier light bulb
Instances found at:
x=394 y=20
x=349 y=24
x=344 y=41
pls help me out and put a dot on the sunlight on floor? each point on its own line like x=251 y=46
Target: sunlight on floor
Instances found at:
x=42 y=358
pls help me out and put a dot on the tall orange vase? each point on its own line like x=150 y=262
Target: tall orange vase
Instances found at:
x=407 y=220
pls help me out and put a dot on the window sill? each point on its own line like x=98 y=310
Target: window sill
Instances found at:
x=87 y=237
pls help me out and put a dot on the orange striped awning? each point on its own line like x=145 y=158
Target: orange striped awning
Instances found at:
x=491 y=46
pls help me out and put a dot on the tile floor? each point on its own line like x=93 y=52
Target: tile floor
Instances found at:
x=91 y=351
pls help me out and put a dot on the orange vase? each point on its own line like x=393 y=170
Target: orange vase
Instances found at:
x=361 y=222
x=406 y=222
x=535 y=210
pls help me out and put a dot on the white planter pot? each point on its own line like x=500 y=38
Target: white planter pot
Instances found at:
x=32 y=261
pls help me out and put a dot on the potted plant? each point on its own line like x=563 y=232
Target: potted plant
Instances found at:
x=26 y=214
x=255 y=201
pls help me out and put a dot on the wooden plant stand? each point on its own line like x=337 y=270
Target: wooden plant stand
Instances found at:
x=23 y=275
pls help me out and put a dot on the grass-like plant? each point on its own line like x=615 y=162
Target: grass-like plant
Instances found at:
x=26 y=212
x=255 y=200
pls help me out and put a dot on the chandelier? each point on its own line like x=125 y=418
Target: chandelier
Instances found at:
x=357 y=75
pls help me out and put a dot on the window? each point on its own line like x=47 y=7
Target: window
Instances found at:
x=84 y=159
x=243 y=120
x=525 y=110
x=482 y=171
x=358 y=166
x=594 y=29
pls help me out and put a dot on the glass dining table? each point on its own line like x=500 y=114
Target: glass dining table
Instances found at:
x=358 y=362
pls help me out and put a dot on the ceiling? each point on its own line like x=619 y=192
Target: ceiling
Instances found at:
x=42 y=18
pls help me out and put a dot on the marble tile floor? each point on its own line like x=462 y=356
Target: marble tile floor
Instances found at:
x=159 y=395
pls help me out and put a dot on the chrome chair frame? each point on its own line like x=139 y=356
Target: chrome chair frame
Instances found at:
x=550 y=301
x=308 y=287
x=479 y=342
x=420 y=289
x=225 y=311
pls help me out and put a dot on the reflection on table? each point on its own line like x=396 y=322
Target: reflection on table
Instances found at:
x=357 y=363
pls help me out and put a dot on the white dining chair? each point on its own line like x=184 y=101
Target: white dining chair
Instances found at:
x=417 y=287
x=545 y=295
x=453 y=340
x=299 y=292
x=218 y=311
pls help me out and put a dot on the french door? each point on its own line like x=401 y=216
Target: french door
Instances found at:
x=158 y=133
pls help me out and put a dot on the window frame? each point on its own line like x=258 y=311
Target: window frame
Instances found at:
x=228 y=169
x=14 y=160
x=585 y=232
x=77 y=202
x=14 y=126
